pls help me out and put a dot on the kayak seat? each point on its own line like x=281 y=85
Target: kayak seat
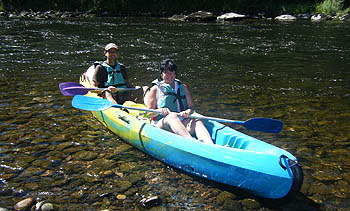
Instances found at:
x=236 y=141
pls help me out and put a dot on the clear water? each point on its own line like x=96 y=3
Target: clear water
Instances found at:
x=297 y=72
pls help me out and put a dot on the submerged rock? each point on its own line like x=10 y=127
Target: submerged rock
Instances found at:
x=150 y=201
x=24 y=204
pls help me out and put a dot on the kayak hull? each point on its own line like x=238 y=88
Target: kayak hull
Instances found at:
x=236 y=159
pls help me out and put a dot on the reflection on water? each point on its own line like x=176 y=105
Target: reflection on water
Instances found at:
x=296 y=72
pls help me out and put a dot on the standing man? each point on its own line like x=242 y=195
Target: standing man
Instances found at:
x=111 y=75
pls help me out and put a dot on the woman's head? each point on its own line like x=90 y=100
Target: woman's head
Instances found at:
x=167 y=66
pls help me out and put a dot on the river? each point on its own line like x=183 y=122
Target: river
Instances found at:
x=297 y=72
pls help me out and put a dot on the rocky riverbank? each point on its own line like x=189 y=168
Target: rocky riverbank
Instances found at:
x=200 y=16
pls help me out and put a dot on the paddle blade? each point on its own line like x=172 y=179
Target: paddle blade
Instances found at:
x=91 y=103
x=264 y=125
x=72 y=89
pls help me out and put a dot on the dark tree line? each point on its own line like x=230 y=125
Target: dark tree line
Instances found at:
x=162 y=7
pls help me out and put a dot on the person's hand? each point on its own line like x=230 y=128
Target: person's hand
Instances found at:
x=165 y=111
x=112 y=89
x=186 y=113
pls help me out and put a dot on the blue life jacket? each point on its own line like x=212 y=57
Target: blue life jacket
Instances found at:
x=115 y=77
x=173 y=99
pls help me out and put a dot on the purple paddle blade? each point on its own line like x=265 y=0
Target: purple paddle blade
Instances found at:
x=72 y=89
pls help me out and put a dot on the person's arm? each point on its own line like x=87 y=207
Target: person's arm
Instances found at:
x=190 y=104
x=151 y=102
x=99 y=77
x=151 y=96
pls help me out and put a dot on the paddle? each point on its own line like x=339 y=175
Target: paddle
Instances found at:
x=257 y=124
x=72 y=89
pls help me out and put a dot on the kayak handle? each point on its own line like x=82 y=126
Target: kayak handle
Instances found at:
x=291 y=162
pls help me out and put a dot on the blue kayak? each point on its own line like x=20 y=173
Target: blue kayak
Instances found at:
x=235 y=159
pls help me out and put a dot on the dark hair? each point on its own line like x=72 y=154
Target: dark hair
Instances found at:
x=167 y=64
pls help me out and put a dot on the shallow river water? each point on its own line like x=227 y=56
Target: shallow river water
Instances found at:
x=297 y=72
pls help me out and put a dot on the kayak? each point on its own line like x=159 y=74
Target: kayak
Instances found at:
x=235 y=159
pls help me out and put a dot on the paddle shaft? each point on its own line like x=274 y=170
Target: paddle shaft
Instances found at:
x=258 y=124
x=192 y=116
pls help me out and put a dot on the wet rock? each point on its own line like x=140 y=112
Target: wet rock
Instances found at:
x=232 y=205
x=150 y=201
x=285 y=18
x=85 y=155
x=345 y=17
x=121 y=196
x=319 y=188
x=327 y=175
x=24 y=204
x=201 y=16
x=126 y=167
x=135 y=178
x=64 y=145
x=104 y=164
x=44 y=206
x=223 y=196
x=230 y=17
x=124 y=185
x=251 y=204
x=32 y=171
x=91 y=177
x=78 y=194
x=31 y=186
x=106 y=202
x=318 y=17
x=177 y=18
x=305 y=16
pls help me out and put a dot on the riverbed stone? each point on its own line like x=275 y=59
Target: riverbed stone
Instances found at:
x=123 y=185
x=230 y=17
x=286 y=18
x=47 y=207
x=251 y=204
x=121 y=197
x=232 y=205
x=345 y=17
x=319 y=188
x=85 y=155
x=201 y=16
x=220 y=199
x=24 y=204
x=318 y=17
x=177 y=18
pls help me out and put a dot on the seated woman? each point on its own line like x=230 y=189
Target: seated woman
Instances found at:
x=169 y=95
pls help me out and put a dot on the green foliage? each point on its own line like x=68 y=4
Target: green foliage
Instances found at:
x=330 y=7
x=171 y=7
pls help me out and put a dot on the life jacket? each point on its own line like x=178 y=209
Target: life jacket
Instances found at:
x=115 y=77
x=167 y=97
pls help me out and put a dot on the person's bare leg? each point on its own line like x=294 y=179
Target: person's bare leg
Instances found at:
x=202 y=132
x=172 y=121
x=109 y=97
